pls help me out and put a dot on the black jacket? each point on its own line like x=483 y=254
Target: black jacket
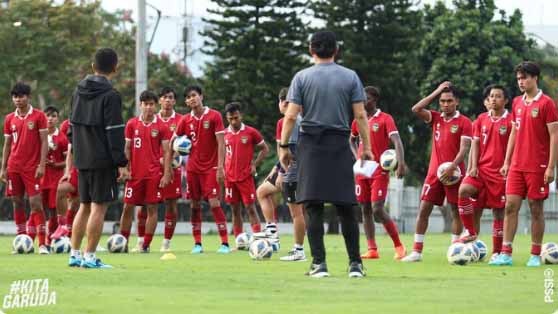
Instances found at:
x=96 y=125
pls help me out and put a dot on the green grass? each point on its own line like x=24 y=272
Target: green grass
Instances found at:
x=211 y=283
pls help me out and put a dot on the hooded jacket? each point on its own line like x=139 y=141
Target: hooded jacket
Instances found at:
x=96 y=125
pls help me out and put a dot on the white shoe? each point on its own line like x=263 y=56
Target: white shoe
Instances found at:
x=100 y=249
x=413 y=257
x=138 y=248
x=294 y=256
x=493 y=257
x=165 y=246
x=43 y=250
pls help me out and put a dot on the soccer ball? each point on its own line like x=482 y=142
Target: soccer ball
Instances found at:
x=388 y=160
x=275 y=244
x=475 y=256
x=23 y=244
x=260 y=249
x=549 y=253
x=459 y=254
x=116 y=243
x=176 y=161
x=453 y=179
x=182 y=145
x=243 y=241
x=61 y=245
x=482 y=249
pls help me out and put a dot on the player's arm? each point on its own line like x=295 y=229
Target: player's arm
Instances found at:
x=464 y=147
x=474 y=158
x=220 y=156
x=353 y=143
x=68 y=165
x=6 y=150
x=509 y=152
x=289 y=122
x=361 y=119
x=264 y=150
x=553 y=132
x=400 y=155
x=43 y=135
x=167 y=171
x=419 y=109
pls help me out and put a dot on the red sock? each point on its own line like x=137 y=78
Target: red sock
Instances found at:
x=196 y=220
x=391 y=229
x=417 y=247
x=39 y=219
x=30 y=226
x=507 y=248
x=467 y=214
x=61 y=220
x=536 y=249
x=497 y=235
x=125 y=234
x=52 y=222
x=237 y=230
x=142 y=218
x=19 y=218
x=170 y=224
x=221 y=222
x=147 y=240
x=256 y=228
x=372 y=245
x=70 y=214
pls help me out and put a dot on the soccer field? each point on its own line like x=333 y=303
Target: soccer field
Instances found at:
x=211 y=283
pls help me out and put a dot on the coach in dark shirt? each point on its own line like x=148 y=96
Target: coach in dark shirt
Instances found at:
x=330 y=97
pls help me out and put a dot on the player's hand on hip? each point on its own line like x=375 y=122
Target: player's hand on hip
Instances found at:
x=473 y=172
x=401 y=170
x=65 y=177
x=549 y=175
x=285 y=158
x=40 y=172
x=504 y=170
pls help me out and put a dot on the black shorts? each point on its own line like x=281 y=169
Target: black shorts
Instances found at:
x=273 y=179
x=98 y=185
x=289 y=192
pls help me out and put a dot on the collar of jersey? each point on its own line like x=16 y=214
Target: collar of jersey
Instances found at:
x=26 y=115
x=146 y=124
x=242 y=127
x=55 y=133
x=171 y=117
x=457 y=114
x=500 y=118
x=537 y=97
x=205 y=111
x=375 y=115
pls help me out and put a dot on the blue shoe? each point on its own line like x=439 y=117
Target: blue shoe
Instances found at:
x=501 y=260
x=197 y=249
x=224 y=249
x=74 y=261
x=534 y=261
x=95 y=264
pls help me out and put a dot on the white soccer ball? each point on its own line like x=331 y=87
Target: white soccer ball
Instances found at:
x=275 y=244
x=182 y=145
x=549 y=253
x=260 y=249
x=453 y=179
x=23 y=244
x=475 y=252
x=176 y=161
x=459 y=254
x=388 y=160
x=61 y=245
x=243 y=241
x=116 y=243
x=483 y=250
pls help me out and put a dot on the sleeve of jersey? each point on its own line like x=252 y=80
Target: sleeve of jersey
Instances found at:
x=7 y=130
x=295 y=95
x=64 y=143
x=476 y=128
x=391 y=127
x=354 y=129
x=166 y=133
x=467 y=129
x=551 y=115
x=128 y=131
x=257 y=137
x=434 y=117
x=278 y=130
x=42 y=122
x=179 y=131
x=219 y=126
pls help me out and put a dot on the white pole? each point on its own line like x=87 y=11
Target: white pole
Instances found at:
x=141 y=53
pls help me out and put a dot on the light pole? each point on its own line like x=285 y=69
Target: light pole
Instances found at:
x=141 y=54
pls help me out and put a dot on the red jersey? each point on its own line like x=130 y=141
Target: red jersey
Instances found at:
x=239 y=148
x=446 y=139
x=25 y=153
x=493 y=135
x=145 y=147
x=202 y=132
x=64 y=127
x=532 y=141
x=171 y=123
x=57 y=148
x=279 y=129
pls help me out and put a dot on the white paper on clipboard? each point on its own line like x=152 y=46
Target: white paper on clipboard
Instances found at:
x=367 y=168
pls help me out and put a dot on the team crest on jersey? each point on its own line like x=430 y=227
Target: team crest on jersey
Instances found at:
x=14 y=128
x=503 y=129
x=206 y=124
x=154 y=133
x=244 y=139
x=535 y=112
x=454 y=128
x=173 y=127
x=31 y=125
x=375 y=127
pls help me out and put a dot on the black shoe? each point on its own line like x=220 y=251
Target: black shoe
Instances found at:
x=356 y=270
x=318 y=271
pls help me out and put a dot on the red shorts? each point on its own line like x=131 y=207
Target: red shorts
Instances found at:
x=142 y=191
x=434 y=191
x=202 y=186
x=20 y=183
x=48 y=196
x=491 y=187
x=74 y=182
x=372 y=189
x=530 y=184
x=174 y=189
x=245 y=190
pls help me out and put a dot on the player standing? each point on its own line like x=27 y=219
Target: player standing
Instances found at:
x=24 y=160
x=451 y=139
x=205 y=169
x=371 y=192
x=530 y=160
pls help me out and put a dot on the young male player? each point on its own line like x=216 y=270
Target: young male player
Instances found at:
x=146 y=136
x=240 y=167
x=484 y=182
x=451 y=139
x=24 y=160
x=205 y=169
x=371 y=192
x=530 y=160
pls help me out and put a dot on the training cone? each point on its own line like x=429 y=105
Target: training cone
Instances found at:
x=168 y=257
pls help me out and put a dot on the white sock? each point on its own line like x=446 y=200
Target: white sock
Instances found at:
x=272 y=227
x=140 y=241
x=454 y=237
x=298 y=247
x=166 y=242
x=75 y=253
x=419 y=238
x=89 y=256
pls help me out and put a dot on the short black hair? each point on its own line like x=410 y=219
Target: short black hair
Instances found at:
x=373 y=90
x=486 y=91
x=106 y=60
x=50 y=110
x=324 y=44
x=165 y=90
x=283 y=93
x=20 y=89
x=148 y=95
x=500 y=87
x=232 y=107
x=453 y=90
x=528 y=68
x=195 y=88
